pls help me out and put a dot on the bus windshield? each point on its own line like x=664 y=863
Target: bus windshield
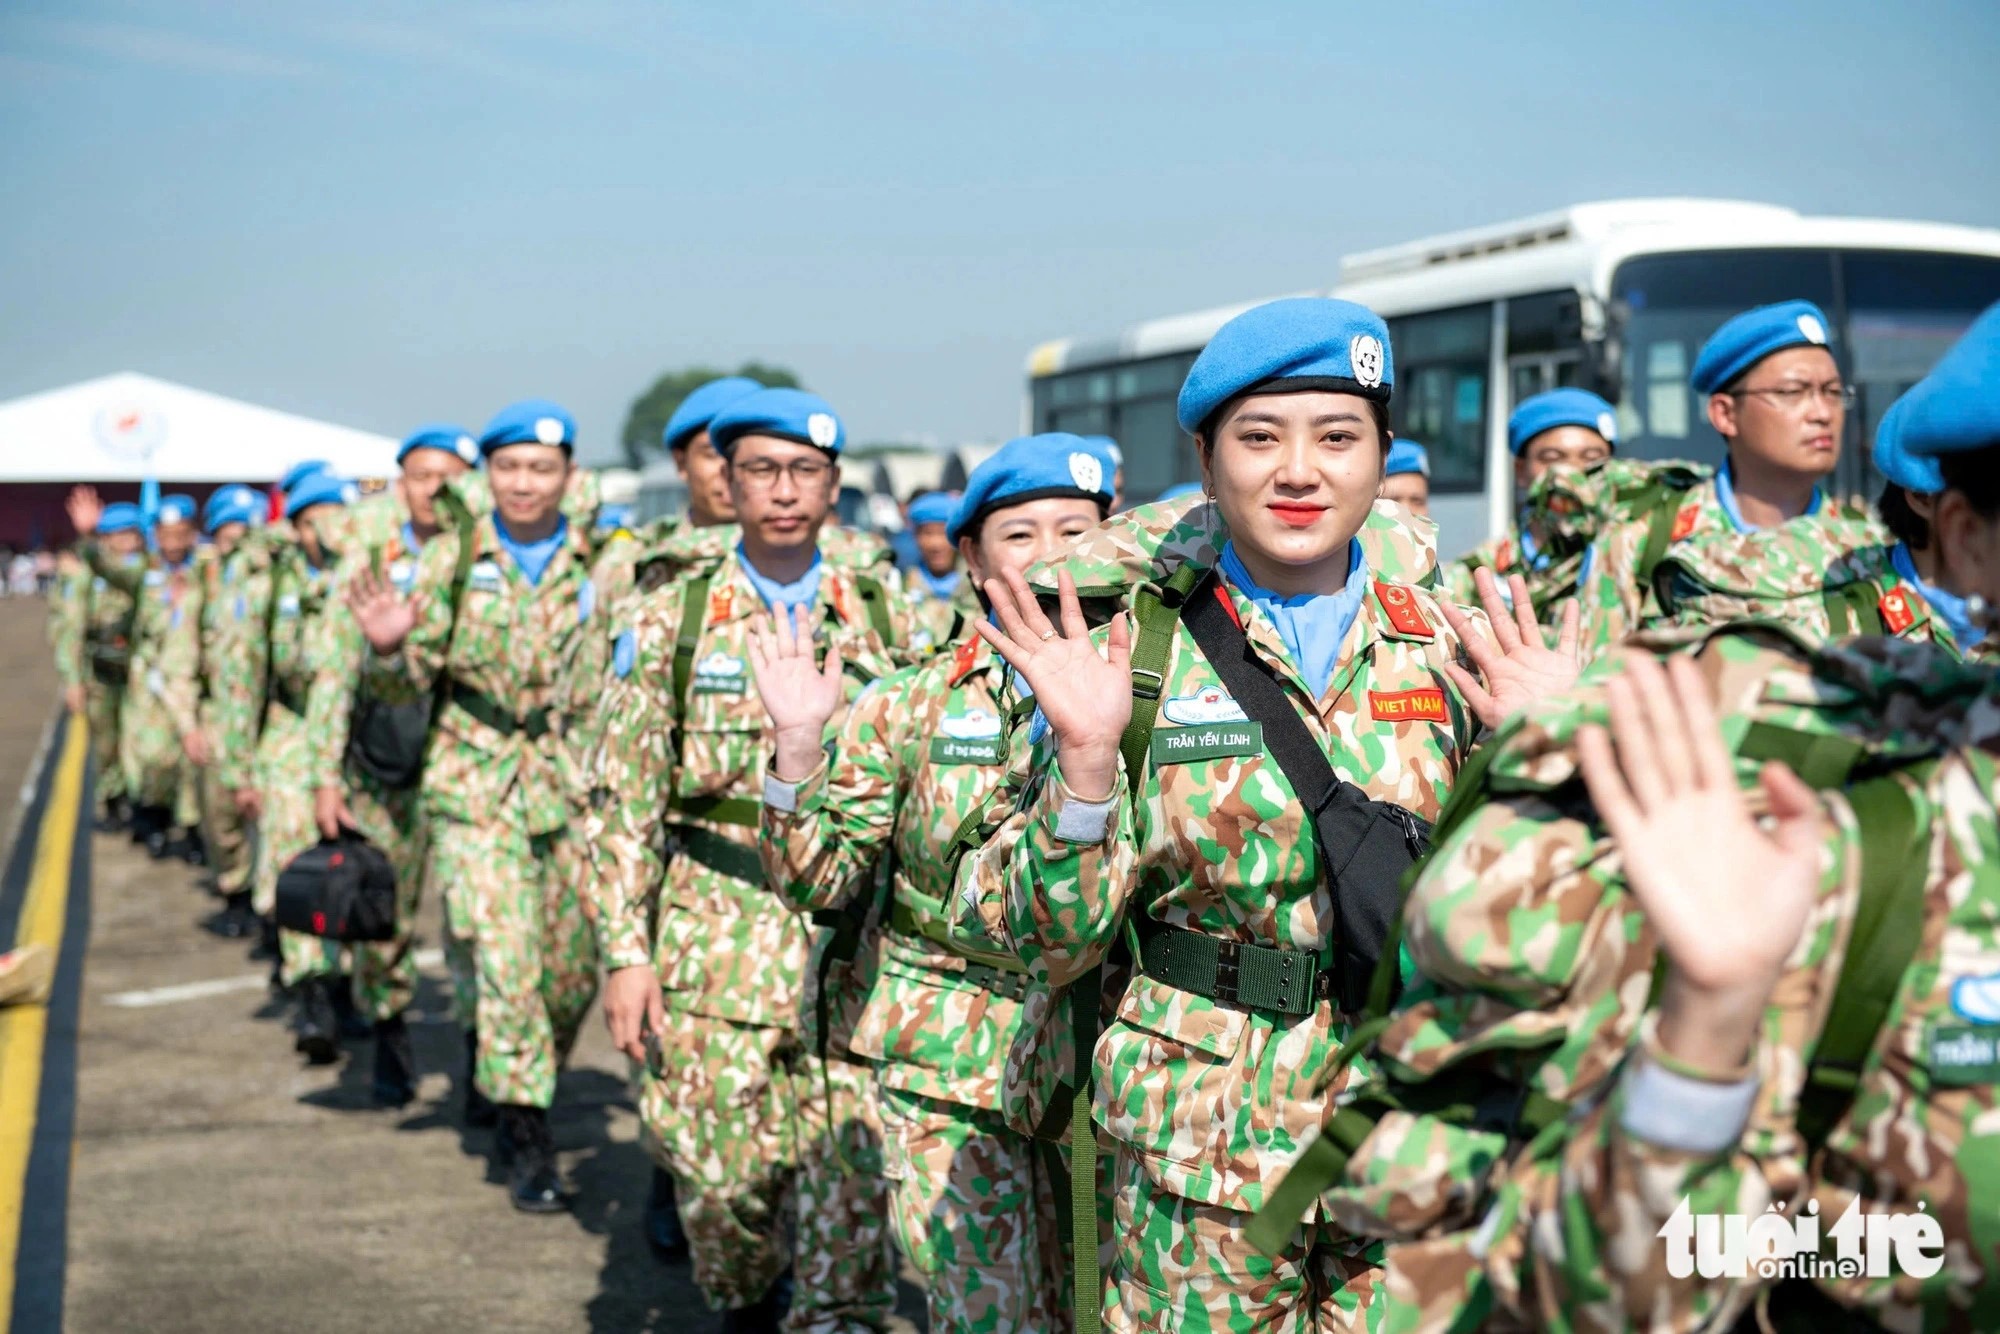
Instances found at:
x=1894 y=313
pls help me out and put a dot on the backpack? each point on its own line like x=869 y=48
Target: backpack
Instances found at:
x=1827 y=580
x=1419 y=1150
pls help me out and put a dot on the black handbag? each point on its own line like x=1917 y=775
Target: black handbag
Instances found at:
x=388 y=741
x=342 y=889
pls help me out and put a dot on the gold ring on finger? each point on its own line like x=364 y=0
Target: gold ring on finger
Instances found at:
x=1047 y=635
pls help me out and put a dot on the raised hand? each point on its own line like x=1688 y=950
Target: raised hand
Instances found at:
x=86 y=511
x=1518 y=666
x=1696 y=859
x=1086 y=697
x=385 y=616
x=799 y=696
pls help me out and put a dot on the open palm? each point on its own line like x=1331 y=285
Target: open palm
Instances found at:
x=1517 y=664
x=385 y=616
x=1086 y=696
x=799 y=694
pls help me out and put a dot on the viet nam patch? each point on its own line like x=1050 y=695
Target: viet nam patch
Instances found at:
x=1403 y=706
x=1212 y=705
x=1208 y=741
x=719 y=674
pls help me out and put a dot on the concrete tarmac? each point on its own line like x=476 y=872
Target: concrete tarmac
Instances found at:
x=219 y=1184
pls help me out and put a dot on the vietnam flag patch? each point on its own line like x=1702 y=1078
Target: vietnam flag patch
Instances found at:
x=1896 y=613
x=1405 y=706
x=1405 y=616
x=1684 y=522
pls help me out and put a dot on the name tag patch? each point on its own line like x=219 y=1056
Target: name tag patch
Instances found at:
x=719 y=674
x=1405 y=706
x=1964 y=1054
x=1185 y=745
x=485 y=576
x=403 y=575
x=965 y=750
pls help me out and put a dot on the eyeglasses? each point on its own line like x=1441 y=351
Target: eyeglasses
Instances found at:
x=763 y=473
x=1791 y=396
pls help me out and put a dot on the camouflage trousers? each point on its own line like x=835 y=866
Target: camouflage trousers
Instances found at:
x=102 y=705
x=533 y=952
x=1182 y=1267
x=385 y=971
x=738 y=1114
x=284 y=830
x=222 y=826
x=150 y=750
x=976 y=1213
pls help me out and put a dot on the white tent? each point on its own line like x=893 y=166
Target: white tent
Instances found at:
x=105 y=430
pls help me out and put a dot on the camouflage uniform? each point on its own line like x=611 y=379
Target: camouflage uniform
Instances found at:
x=943 y=619
x=1614 y=602
x=95 y=651
x=1531 y=946
x=1205 y=1103
x=974 y=1210
x=385 y=973
x=156 y=773
x=262 y=681
x=223 y=827
x=740 y=1098
x=496 y=795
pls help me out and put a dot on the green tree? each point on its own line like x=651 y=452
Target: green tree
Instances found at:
x=649 y=413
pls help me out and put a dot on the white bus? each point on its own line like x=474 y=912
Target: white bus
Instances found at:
x=1615 y=296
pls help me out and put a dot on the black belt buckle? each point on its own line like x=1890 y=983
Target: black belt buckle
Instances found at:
x=1228 y=970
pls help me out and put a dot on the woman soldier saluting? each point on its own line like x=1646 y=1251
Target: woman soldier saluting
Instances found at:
x=918 y=751
x=1291 y=666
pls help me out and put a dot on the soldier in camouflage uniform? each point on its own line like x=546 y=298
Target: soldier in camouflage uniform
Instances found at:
x=263 y=678
x=942 y=592
x=227 y=518
x=1775 y=395
x=737 y=1102
x=493 y=648
x=974 y=1210
x=1203 y=1078
x=386 y=534
x=94 y=653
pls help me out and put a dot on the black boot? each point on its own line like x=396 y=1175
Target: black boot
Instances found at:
x=116 y=817
x=479 y=1110
x=395 y=1064
x=317 y=1030
x=528 y=1152
x=149 y=829
x=234 y=921
x=663 y=1220
x=354 y=1025
x=267 y=941
x=194 y=848
x=766 y=1315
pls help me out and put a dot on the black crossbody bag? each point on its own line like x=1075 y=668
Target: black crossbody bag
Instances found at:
x=340 y=889
x=1365 y=846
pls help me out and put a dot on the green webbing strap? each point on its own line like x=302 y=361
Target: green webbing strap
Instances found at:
x=720 y=854
x=743 y=812
x=1088 y=1300
x=1854 y=609
x=1821 y=761
x=1888 y=927
x=1262 y=977
x=875 y=602
x=1659 y=534
x=694 y=611
x=1156 y=615
x=907 y=921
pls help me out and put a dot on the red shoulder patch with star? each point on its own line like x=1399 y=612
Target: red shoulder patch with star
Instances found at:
x=962 y=661
x=1896 y=612
x=1405 y=616
x=1684 y=522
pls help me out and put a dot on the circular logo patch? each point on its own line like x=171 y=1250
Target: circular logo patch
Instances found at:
x=1086 y=472
x=1607 y=426
x=1364 y=354
x=468 y=449
x=822 y=429
x=1814 y=331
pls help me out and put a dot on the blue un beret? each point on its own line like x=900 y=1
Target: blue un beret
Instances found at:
x=319 y=489
x=1956 y=407
x=611 y=517
x=933 y=507
x=230 y=504
x=440 y=436
x=176 y=508
x=1303 y=342
x=1035 y=467
x=299 y=471
x=120 y=516
x=1407 y=456
x=532 y=421
x=788 y=414
x=1747 y=339
x=698 y=409
x=1560 y=407
x=1178 y=490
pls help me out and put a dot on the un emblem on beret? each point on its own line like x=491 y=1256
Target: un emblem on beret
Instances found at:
x=548 y=430
x=1607 y=426
x=1086 y=472
x=1814 y=331
x=1364 y=354
x=822 y=429
x=468 y=449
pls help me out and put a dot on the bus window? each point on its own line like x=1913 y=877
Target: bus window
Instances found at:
x=1441 y=362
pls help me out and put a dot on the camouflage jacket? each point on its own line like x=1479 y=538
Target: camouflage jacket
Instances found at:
x=1614 y=603
x=1216 y=1099
x=266 y=663
x=97 y=628
x=919 y=751
x=944 y=619
x=1536 y=968
x=694 y=770
x=162 y=600
x=377 y=539
x=497 y=746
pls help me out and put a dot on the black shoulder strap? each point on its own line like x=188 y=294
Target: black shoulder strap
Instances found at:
x=1362 y=866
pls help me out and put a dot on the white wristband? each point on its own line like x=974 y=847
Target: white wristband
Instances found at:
x=1672 y=1111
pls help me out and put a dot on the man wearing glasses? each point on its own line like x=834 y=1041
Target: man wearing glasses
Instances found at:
x=1776 y=398
x=707 y=969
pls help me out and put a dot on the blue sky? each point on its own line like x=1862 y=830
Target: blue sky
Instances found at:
x=385 y=213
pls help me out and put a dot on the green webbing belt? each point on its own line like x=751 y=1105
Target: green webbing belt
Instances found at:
x=720 y=854
x=534 y=725
x=1888 y=927
x=744 y=812
x=907 y=921
x=1236 y=973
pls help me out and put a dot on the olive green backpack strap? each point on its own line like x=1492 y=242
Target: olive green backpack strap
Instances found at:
x=694 y=611
x=1854 y=609
x=875 y=603
x=1155 y=616
x=1659 y=500
x=1887 y=929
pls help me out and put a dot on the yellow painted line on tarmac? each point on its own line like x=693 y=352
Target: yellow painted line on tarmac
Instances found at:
x=23 y=1027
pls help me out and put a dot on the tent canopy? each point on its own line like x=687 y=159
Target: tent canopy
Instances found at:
x=105 y=430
